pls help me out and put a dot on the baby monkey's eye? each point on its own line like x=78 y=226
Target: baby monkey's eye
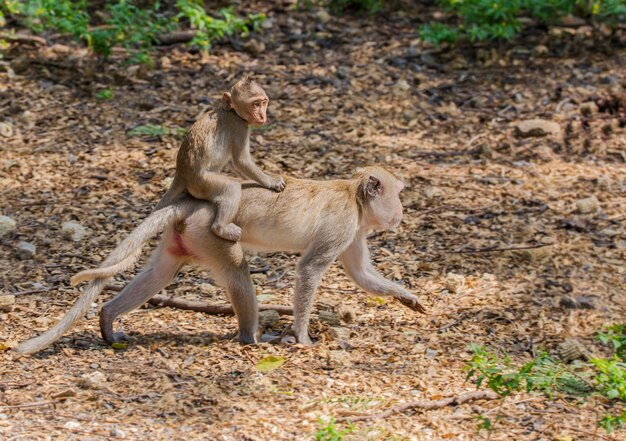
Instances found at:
x=256 y=104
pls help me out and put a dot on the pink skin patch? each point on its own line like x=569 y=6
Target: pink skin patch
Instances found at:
x=179 y=249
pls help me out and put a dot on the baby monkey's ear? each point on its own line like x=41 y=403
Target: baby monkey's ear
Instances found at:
x=227 y=101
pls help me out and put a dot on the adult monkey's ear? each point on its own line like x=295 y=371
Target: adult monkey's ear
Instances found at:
x=227 y=101
x=373 y=187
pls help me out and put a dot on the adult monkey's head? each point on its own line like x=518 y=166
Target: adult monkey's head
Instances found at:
x=379 y=194
x=248 y=99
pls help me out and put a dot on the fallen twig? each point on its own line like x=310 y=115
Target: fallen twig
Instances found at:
x=176 y=37
x=24 y=39
x=28 y=405
x=208 y=308
x=30 y=291
x=427 y=405
x=494 y=250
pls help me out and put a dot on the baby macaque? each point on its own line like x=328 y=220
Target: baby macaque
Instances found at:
x=216 y=138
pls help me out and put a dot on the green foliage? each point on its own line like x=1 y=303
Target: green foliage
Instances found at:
x=604 y=378
x=105 y=94
x=541 y=374
x=210 y=28
x=153 y=130
x=484 y=423
x=611 y=377
x=360 y=6
x=615 y=336
x=329 y=432
x=127 y=24
x=611 y=422
x=480 y=20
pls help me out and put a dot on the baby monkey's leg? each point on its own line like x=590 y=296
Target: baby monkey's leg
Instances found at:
x=225 y=193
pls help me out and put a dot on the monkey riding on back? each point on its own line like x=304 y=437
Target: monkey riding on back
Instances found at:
x=215 y=139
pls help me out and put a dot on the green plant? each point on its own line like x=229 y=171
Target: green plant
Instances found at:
x=210 y=28
x=615 y=336
x=611 y=378
x=360 y=6
x=153 y=130
x=329 y=432
x=105 y=94
x=479 y=20
x=542 y=374
x=128 y=24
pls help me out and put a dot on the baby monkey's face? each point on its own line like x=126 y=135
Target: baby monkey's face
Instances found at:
x=254 y=111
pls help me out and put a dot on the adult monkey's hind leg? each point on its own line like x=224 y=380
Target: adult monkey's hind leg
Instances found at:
x=157 y=274
x=228 y=265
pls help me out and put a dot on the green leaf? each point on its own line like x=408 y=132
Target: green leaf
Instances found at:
x=270 y=363
x=118 y=345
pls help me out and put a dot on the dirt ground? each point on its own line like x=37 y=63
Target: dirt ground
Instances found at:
x=493 y=239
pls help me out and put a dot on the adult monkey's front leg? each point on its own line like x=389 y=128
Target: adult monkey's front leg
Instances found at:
x=311 y=268
x=358 y=265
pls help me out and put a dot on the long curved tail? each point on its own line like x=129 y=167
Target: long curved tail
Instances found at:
x=129 y=250
x=79 y=309
x=121 y=258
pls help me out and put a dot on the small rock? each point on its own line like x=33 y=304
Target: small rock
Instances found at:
x=403 y=85
x=430 y=353
x=540 y=51
x=339 y=333
x=328 y=317
x=25 y=250
x=588 y=108
x=609 y=79
x=7 y=303
x=288 y=340
x=432 y=192
x=323 y=16
x=535 y=254
x=254 y=47
x=6 y=225
x=338 y=358
x=92 y=380
x=72 y=425
x=586 y=302
x=6 y=129
x=580 y=302
x=572 y=20
x=568 y=303
x=572 y=349
x=347 y=314
x=9 y=164
x=165 y=63
x=72 y=159
x=73 y=231
x=537 y=127
x=4 y=416
x=588 y=205
x=454 y=282
x=118 y=433
x=269 y=318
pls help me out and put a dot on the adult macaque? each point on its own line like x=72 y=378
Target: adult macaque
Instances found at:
x=324 y=220
x=216 y=138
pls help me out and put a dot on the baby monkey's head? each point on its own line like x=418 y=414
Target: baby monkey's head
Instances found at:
x=248 y=99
